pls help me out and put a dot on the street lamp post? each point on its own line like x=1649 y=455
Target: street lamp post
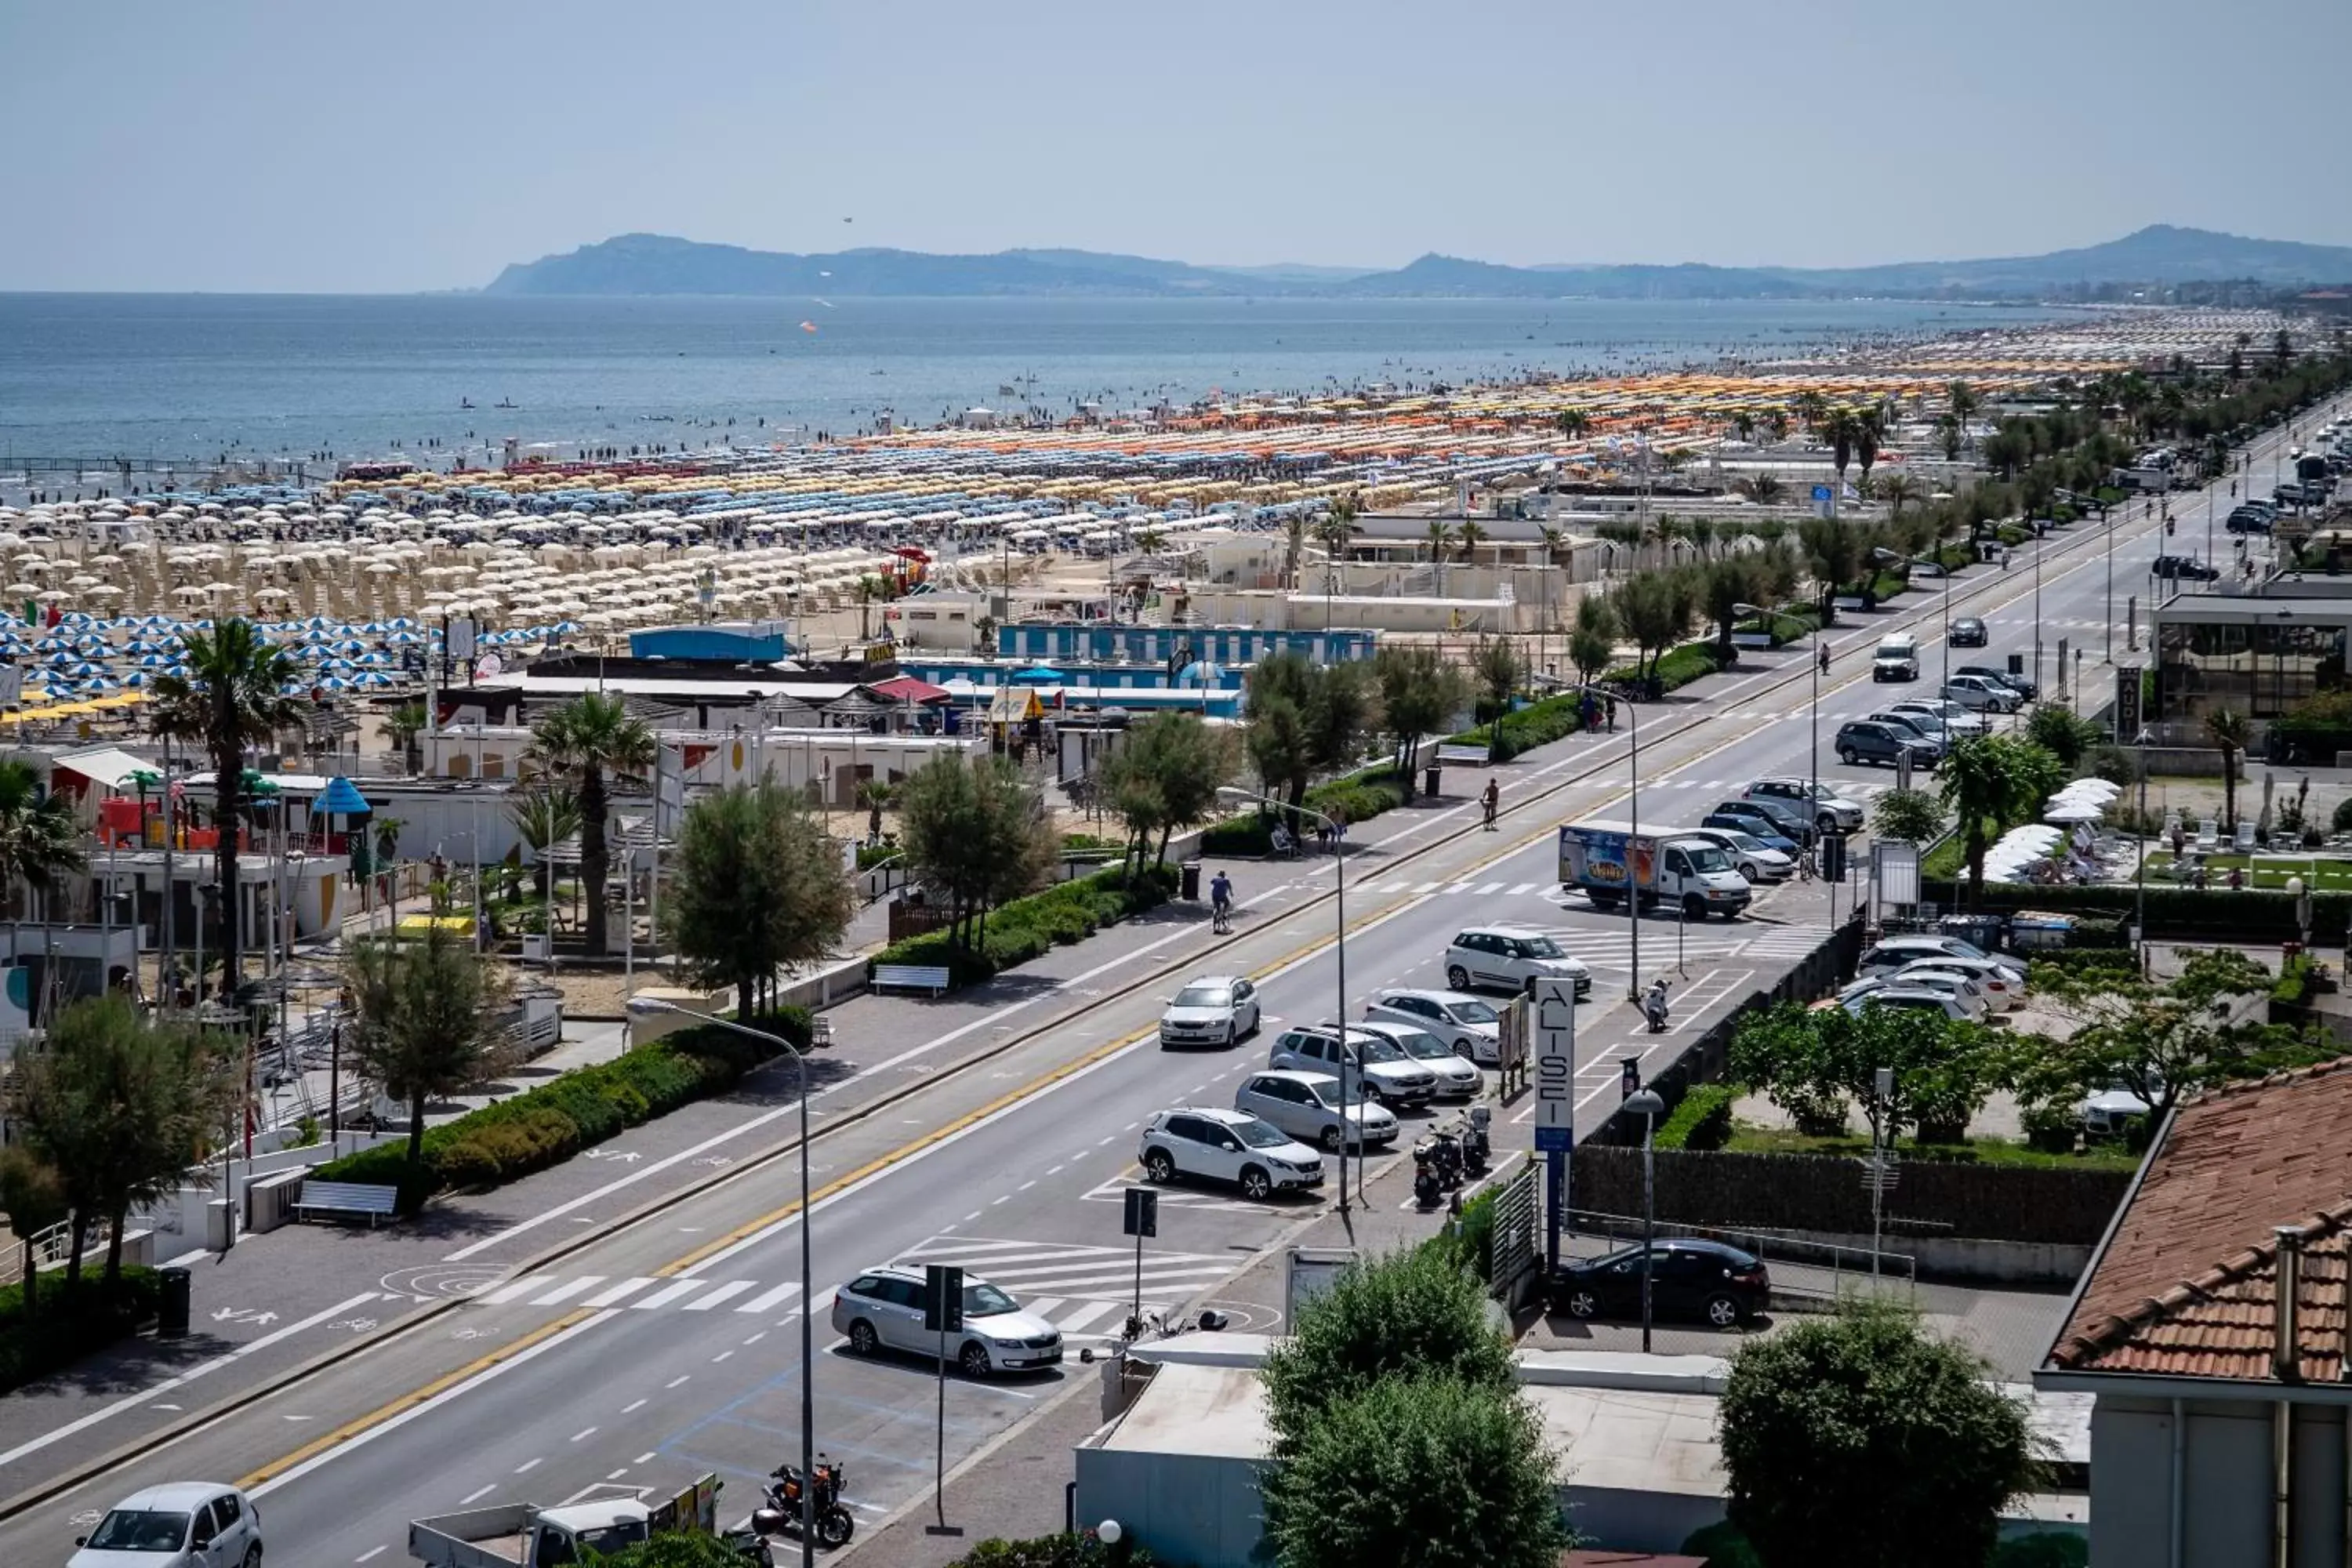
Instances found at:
x=1815 y=782
x=1645 y=1104
x=643 y=1005
x=1340 y=881
x=1633 y=822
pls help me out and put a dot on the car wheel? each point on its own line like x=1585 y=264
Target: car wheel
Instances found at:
x=1846 y=756
x=1457 y=977
x=1582 y=1304
x=1825 y=823
x=1233 y=1035
x=1256 y=1185
x=1694 y=909
x=1748 y=870
x=974 y=1359
x=863 y=1339
x=1332 y=1139
x=1722 y=1312
x=1159 y=1166
x=253 y=1555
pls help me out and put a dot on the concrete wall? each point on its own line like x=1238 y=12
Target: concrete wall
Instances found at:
x=1185 y=1508
x=1970 y=1260
x=2226 y=1489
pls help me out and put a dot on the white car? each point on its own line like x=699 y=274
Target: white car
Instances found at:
x=1833 y=812
x=1388 y=1074
x=882 y=1309
x=1466 y=1026
x=1457 y=1075
x=1956 y=720
x=1975 y=692
x=1755 y=860
x=1214 y=1010
x=1999 y=983
x=1209 y=1143
x=1918 y=998
x=182 y=1524
x=1895 y=952
x=1309 y=1107
x=1961 y=986
x=2109 y=1113
x=1507 y=957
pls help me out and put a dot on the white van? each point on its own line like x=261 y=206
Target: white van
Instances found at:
x=1897 y=658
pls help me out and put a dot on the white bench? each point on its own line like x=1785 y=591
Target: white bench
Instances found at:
x=910 y=977
x=347 y=1198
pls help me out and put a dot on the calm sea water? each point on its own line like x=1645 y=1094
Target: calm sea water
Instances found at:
x=192 y=376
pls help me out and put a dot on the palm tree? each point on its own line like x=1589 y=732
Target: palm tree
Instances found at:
x=582 y=742
x=1471 y=536
x=405 y=723
x=1293 y=543
x=1961 y=401
x=1776 y=420
x=869 y=589
x=232 y=698
x=1573 y=423
x=544 y=818
x=1336 y=528
x=1763 y=488
x=1842 y=428
x=1743 y=425
x=1896 y=489
x=40 y=842
x=1441 y=534
x=1978 y=788
x=1869 y=429
x=1811 y=407
x=2230 y=729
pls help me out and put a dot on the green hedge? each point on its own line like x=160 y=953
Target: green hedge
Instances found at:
x=1524 y=729
x=1703 y=1120
x=1678 y=668
x=1026 y=927
x=545 y=1126
x=63 y=1329
x=2214 y=914
x=1357 y=797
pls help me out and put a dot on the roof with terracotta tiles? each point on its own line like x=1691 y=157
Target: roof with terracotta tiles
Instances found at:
x=2188 y=1284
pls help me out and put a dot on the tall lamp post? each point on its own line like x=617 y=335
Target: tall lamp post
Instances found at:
x=1645 y=1104
x=1632 y=821
x=641 y=1005
x=1896 y=555
x=1770 y=615
x=1339 y=880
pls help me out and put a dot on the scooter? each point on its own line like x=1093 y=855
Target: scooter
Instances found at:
x=1428 y=1190
x=1445 y=1158
x=834 y=1524
x=1477 y=1146
x=1655 y=1006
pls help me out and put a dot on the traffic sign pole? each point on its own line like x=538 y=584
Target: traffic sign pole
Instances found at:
x=1555 y=1107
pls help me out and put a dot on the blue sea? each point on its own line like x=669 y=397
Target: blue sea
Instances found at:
x=197 y=376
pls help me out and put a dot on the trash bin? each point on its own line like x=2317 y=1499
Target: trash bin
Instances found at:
x=172 y=1304
x=1190 y=874
x=1988 y=931
x=1429 y=781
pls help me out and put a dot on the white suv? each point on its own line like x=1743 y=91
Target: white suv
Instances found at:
x=1457 y=1075
x=1831 y=812
x=1507 y=957
x=1464 y=1023
x=1388 y=1074
x=1976 y=691
x=1214 y=1010
x=1230 y=1146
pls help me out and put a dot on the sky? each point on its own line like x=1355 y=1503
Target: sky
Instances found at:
x=265 y=147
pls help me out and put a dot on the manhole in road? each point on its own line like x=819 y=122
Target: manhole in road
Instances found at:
x=438 y=1281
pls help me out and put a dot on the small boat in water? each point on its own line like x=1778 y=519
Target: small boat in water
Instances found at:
x=506 y=402
x=465 y=403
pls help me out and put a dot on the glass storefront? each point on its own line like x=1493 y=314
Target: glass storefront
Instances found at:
x=2257 y=668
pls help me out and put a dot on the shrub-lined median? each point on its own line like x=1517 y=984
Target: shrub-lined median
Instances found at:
x=547 y=1125
x=63 y=1326
x=1022 y=929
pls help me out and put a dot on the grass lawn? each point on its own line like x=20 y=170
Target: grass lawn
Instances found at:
x=2103 y=1156
x=2319 y=873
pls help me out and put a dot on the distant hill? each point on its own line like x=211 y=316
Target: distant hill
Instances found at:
x=660 y=264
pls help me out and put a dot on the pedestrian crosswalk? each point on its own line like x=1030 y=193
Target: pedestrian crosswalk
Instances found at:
x=1083 y=1290
x=644 y=1292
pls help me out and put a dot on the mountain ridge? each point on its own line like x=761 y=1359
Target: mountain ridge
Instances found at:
x=2161 y=254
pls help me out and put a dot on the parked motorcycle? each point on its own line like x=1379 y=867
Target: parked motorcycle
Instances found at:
x=1477 y=1147
x=1428 y=1190
x=1653 y=1006
x=834 y=1524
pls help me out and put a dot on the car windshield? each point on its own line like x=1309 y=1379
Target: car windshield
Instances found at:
x=139 y=1530
x=1540 y=946
x=1328 y=1091
x=1259 y=1134
x=1426 y=1047
x=1471 y=1011
x=1709 y=858
x=1377 y=1048
x=987 y=1301
x=1205 y=996
x=1747 y=841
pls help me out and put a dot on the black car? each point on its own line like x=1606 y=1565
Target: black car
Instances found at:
x=1970 y=632
x=2184 y=566
x=2247 y=520
x=1871 y=740
x=1718 y=1285
x=2022 y=685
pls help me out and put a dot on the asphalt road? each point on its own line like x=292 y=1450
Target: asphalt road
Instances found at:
x=671 y=1346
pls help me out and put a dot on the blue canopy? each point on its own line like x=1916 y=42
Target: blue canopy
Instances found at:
x=342 y=798
x=1040 y=675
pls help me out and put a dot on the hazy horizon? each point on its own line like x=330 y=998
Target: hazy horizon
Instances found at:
x=270 y=147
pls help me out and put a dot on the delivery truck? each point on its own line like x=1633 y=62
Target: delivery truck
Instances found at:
x=1611 y=862
x=525 y=1535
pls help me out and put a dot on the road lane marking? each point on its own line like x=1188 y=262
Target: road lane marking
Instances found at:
x=768 y=1300
x=709 y=1299
x=672 y=1292
x=627 y=1288
x=564 y=1293
x=471 y=1499
x=522 y=1286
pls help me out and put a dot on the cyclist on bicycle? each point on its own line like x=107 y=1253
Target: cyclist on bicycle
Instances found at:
x=1825 y=659
x=1492 y=800
x=1221 y=902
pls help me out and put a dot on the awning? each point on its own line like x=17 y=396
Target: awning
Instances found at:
x=342 y=798
x=908 y=689
x=108 y=765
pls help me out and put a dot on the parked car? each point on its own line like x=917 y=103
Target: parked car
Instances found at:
x=1875 y=741
x=1970 y=631
x=1790 y=820
x=2021 y=684
x=1831 y=812
x=1458 y=1077
x=1508 y=957
x=1756 y=861
x=1918 y=977
x=1747 y=819
x=1310 y=1108
x=882 y=1309
x=1956 y=720
x=1387 y=1073
x=1209 y=1143
x=1214 y=1010
x=1923 y=727
x=1469 y=1026
x=1895 y=952
x=1717 y=1284
x=2184 y=568
x=1979 y=694
x=2109 y=1113
x=1918 y=998
x=2251 y=519
x=180 y=1524
x=2000 y=981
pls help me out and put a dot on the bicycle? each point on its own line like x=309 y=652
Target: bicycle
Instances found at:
x=1806 y=867
x=1221 y=917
